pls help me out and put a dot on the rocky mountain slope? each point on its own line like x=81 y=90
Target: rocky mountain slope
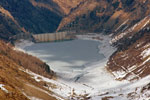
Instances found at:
x=8 y=25
x=105 y=15
x=15 y=83
x=131 y=61
x=31 y=16
x=102 y=15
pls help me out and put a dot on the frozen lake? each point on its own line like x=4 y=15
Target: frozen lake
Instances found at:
x=80 y=66
x=67 y=56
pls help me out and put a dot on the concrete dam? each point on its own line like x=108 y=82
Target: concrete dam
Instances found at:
x=52 y=37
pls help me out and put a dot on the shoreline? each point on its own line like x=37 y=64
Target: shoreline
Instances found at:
x=77 y=85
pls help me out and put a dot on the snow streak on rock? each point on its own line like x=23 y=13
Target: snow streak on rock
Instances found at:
x=136 y=28
x=3 y=88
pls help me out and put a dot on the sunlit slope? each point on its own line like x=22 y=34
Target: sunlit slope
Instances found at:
x=15 y=83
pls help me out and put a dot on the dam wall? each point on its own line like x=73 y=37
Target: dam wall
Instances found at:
x=51 y=37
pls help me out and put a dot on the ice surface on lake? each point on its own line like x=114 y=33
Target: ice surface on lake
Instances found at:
x=68 y=55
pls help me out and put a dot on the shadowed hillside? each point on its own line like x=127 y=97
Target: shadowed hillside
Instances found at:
x=34 y=19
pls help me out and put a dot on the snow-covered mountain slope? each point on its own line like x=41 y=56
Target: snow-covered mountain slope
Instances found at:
x=132 y=31
x=132 y=61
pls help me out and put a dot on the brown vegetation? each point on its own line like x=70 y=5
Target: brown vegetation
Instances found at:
x=68 y=5
x=37 y=92
x=107 y=98
x=105 y=15
x=15 y=80
x=27 y=61
x=130 y=60
x=52 y=6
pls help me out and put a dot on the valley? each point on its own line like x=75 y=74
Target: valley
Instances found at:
x=78 y=75
x=74 y=50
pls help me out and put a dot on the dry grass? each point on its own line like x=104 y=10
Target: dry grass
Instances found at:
x=67 y=5
x=107 y=98
x=33 y=91
x=126 y=59
x=15 y=79
x=86 y=8
x=27 y=61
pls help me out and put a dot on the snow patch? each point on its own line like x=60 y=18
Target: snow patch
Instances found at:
x=122 y=24
x=139 y=44
x=146 y=53
x=21 y=44
x=119 y=74
x=132 y=68
x=121 y=35
x=3 y=88
x=34 y=98
x=145 y=24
